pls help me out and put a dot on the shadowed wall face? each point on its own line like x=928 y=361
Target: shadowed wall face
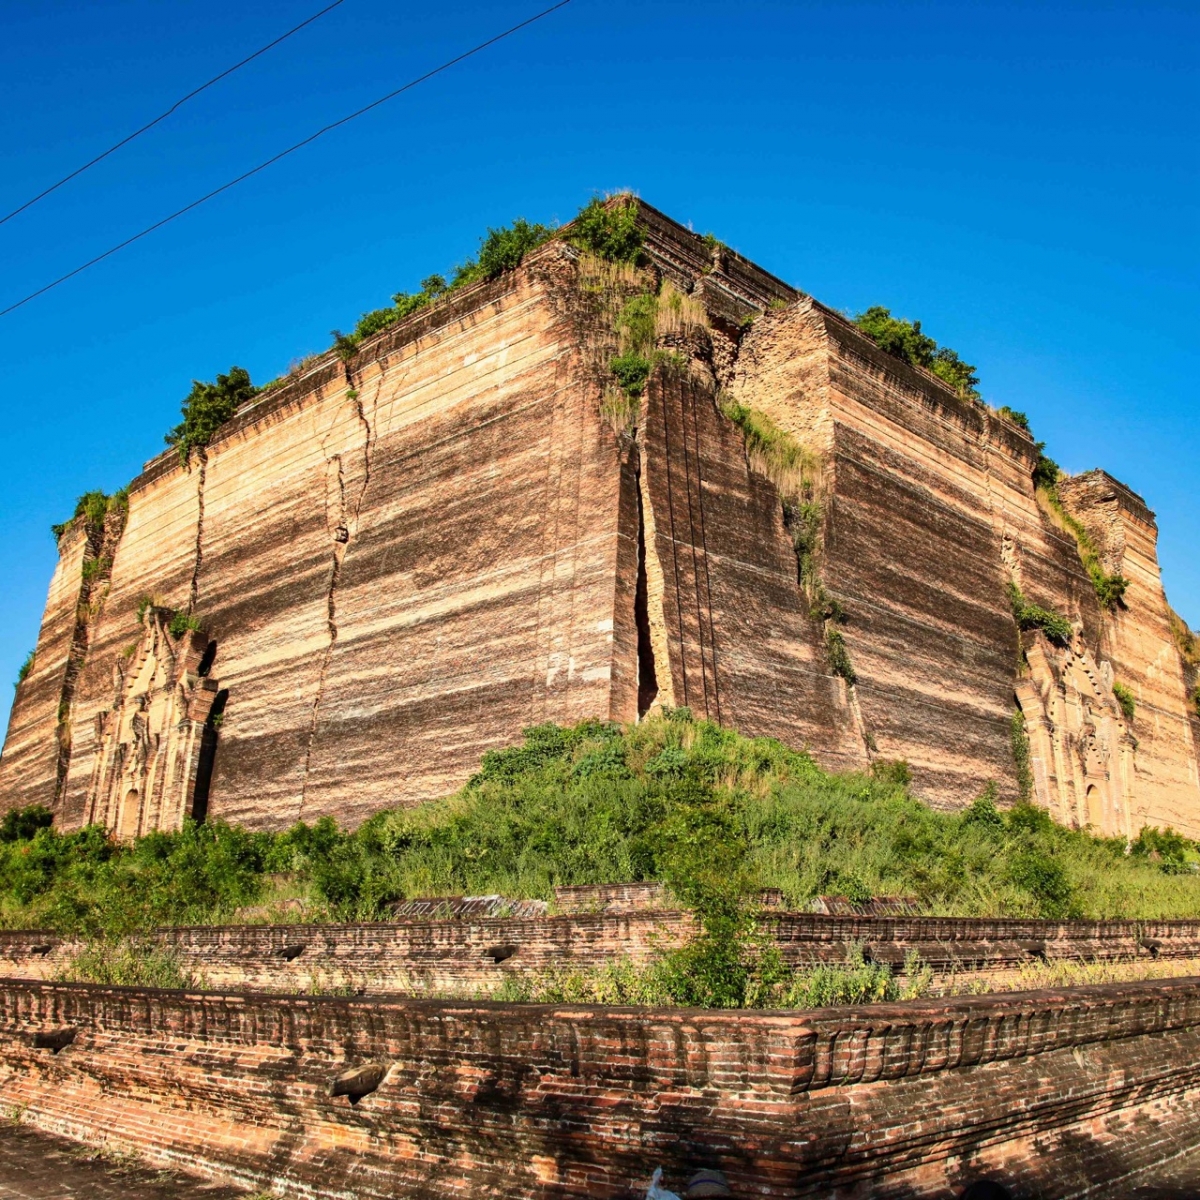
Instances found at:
x=1057 y=1093
x=403 y=559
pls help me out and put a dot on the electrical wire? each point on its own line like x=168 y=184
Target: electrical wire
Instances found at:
x=163 y=116
x=283 y=154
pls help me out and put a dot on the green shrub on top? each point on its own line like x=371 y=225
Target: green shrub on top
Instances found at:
x=207 y=407
x=904 y=340
x=609 y=229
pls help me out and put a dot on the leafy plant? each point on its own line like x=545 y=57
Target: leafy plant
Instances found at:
x=1109 y=587
x=904 y=340
x=21 y=824
x=839 y=656
x=892 y=770
x=207 y=407
x=182 y=622
x=501 y=250
x=1017 y=418
x=24 y=669
x=610 y=230
x=1022 y=760
x=1032 y=616
x=1125 y=699
x=94 y=508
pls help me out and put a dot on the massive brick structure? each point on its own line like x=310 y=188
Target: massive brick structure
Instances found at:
x=400 y=560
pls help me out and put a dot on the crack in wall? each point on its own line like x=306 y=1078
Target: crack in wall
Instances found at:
x=102 y=548
x=343 y=529
x=202 y=474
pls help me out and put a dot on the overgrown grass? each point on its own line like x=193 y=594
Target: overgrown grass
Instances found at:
x=1126 y=699
x=715 y=815
x=127 y=962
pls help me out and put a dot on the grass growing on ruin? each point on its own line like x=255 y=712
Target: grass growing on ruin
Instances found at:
x=715 y=815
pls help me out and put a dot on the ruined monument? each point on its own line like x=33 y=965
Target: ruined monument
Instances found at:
x=403 y=554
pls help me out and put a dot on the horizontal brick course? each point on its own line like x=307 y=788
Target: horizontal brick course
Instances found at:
x=538 y=1101
x=454 y=955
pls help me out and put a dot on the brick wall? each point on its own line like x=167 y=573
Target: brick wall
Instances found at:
x=1056 y=1093
x=457 y=955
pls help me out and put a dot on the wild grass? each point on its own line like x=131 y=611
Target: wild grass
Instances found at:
x=127 y=962
x=669 y=799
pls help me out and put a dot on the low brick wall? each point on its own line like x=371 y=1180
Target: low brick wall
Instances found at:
x=477 y=954
x=1058 y=1094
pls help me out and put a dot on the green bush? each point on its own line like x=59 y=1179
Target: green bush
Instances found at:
x=1022 y=762
x=182 y=622
x=22 y=824
x=1172 y=851
x=904 y=340
x=839 y=655
x=610 y=230
x=501 y=250
x=94 y=508
x=1031 y=616
x=714 y=815
x=1126 y=700
x=207 y=407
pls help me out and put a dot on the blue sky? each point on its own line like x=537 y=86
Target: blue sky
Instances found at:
x=1020 y=177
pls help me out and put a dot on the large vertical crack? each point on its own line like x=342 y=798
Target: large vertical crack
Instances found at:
x=647 y=676
x=202 y=474
x=344 y=524
x=93 y=587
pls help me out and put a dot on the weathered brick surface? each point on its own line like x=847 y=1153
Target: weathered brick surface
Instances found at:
x=405 y=559
x=1054 y=1091
x=456 y=955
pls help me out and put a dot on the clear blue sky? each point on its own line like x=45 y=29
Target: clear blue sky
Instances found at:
x=1021 y=177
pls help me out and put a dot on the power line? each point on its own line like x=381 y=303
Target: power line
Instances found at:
x=163 y=116
x=284 y=153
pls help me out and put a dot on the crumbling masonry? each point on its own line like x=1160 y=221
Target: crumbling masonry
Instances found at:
x=397 y=563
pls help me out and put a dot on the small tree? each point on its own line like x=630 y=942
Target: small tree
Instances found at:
x=207 y=407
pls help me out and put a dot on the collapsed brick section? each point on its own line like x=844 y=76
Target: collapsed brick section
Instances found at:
x=1055 y=1092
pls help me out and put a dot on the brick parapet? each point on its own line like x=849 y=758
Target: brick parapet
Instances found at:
x=540 y=1101
x=479 y=954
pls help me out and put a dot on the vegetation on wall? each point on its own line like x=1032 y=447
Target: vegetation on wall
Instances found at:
x=499 y=250
x=207 y=407
x=1022 y=762
x=905 y=340
x=94 y=507
x=714 y=815
x=796 y=473
x=24 y=669
x=1110 y=587
x=1032 y=616
x=1125 y=699
x=609 y=230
